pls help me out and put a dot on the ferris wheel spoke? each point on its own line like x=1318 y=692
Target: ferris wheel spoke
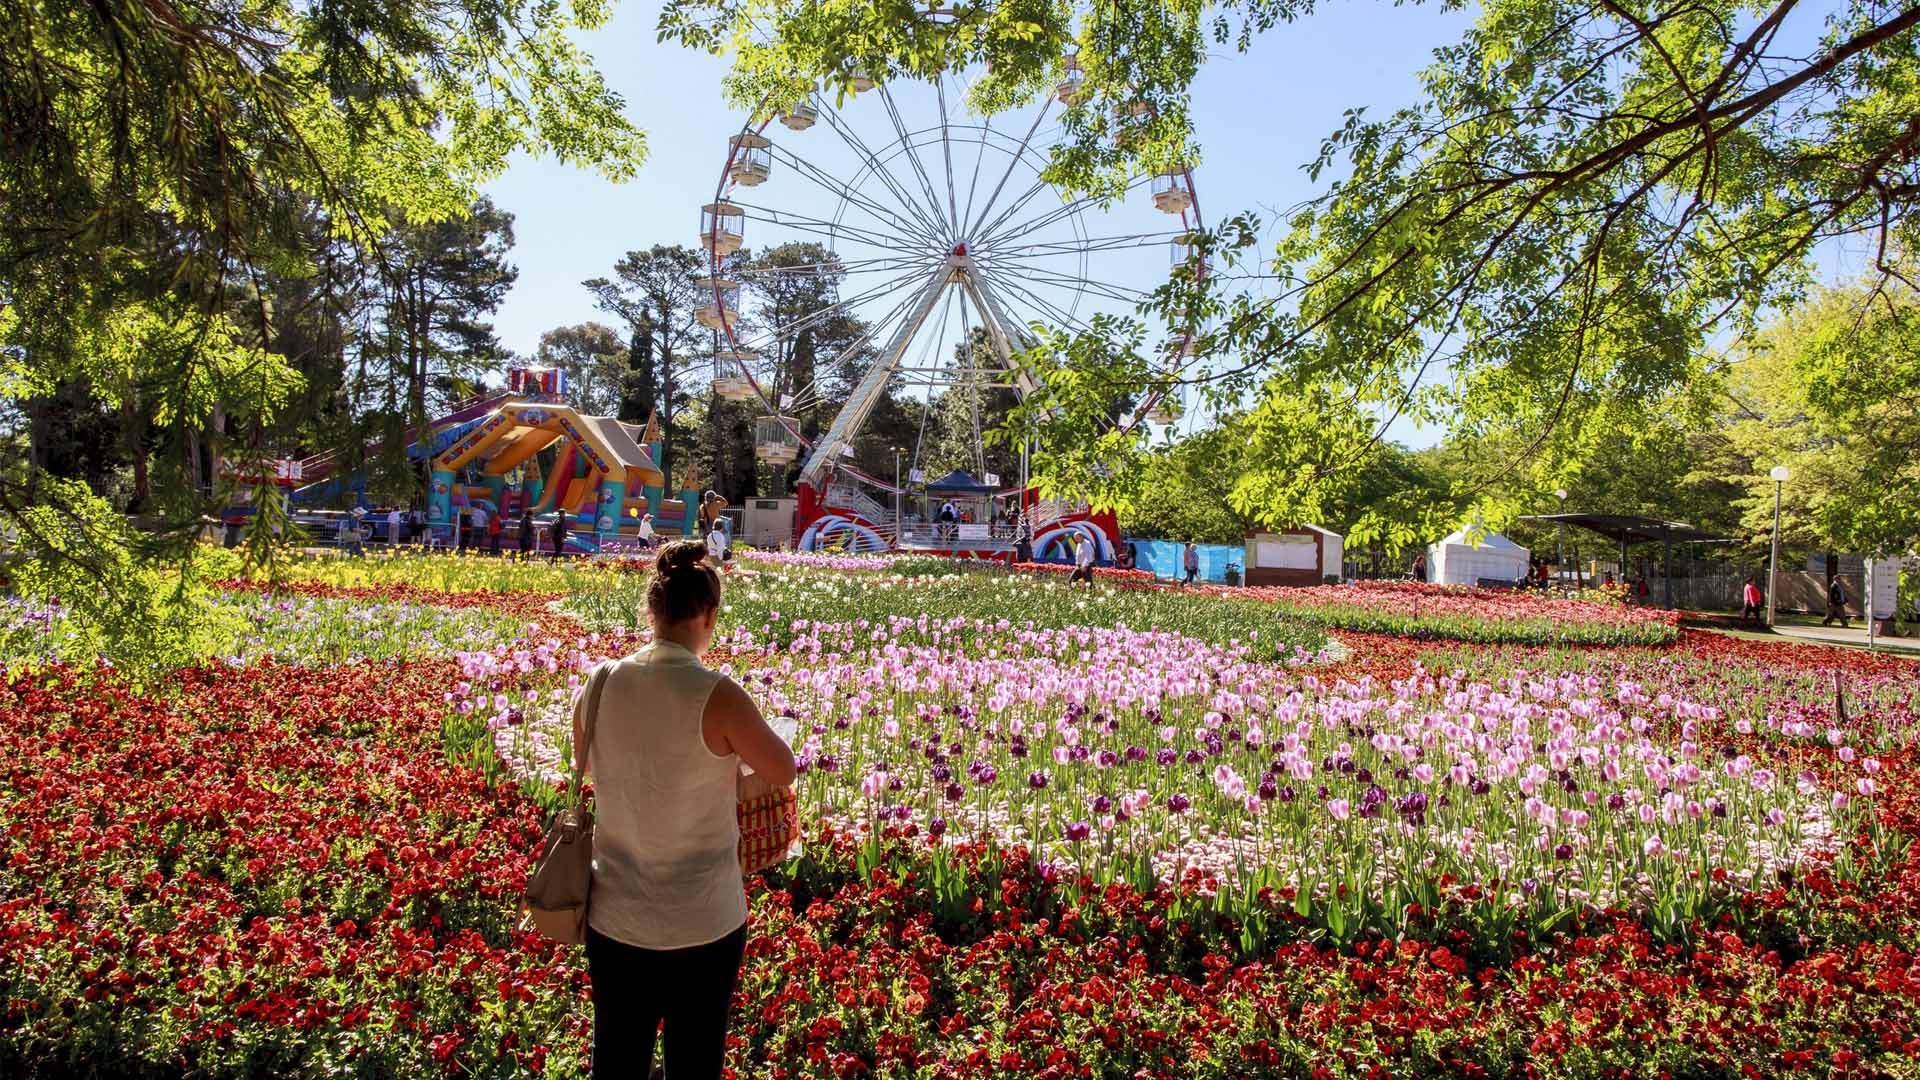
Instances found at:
x=946 y=150
x=792 y=220
x=850 y=266
x=877 y=167
x=784 y=330
x=1058 y=213
x=913 y=156
x=1039 y=185
x=1015 y=157
x=973 y=186
x=1079 y=284
x=1116 y=242
x=1045 y=307
x=888 y=218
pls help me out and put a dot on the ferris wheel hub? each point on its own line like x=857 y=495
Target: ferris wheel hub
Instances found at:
x=960 y=249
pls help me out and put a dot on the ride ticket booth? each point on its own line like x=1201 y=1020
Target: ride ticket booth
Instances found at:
x=1306 y=555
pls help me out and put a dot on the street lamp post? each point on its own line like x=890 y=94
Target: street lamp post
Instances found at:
x=1780 y=474
x=899 y=522
x=1561 y=569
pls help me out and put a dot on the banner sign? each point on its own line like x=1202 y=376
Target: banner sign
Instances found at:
x=1885 y=583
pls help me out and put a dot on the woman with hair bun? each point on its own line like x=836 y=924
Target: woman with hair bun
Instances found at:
x=666 y=925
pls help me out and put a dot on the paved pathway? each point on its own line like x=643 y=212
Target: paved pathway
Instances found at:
x=1852 y=635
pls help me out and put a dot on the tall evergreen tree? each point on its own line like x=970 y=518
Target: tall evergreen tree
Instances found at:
x=595 y=362
x=655 y=294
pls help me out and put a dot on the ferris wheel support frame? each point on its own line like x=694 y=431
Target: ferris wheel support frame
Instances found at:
x=860 y=404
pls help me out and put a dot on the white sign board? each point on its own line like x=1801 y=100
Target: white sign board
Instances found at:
x=1285 y=551
x=971 y=531
x=915 y=476
x=1886 y=588
x=991 y=479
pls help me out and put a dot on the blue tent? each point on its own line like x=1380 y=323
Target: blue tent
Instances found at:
x=959 y=482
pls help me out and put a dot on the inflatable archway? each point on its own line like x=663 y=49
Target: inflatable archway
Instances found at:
x=861 y=536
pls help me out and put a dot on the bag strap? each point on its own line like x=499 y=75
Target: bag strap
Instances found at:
x=595 y=683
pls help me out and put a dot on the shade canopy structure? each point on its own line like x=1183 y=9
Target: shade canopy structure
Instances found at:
x=1631 y=529
x=1624 y=529
x=960 y=482
x=1458 y=560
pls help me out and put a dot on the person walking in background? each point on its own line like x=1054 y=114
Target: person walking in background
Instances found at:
x=717 y=545
x=1190 y=562
x=1420 y=567
x=1082 y=561
x=667 y=926
x=493 y=534
x=477 y=525
x=646 y=529
x=393 y=527
x=1750 y=600
x=559 y=531
x=526 y=531
x=1836 y=602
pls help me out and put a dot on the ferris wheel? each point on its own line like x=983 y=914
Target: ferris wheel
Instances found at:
x=939 y=232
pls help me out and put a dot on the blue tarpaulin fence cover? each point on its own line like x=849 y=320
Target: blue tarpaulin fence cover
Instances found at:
x=1163 y=557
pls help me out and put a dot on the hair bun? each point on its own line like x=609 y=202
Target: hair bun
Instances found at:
x=680 y=556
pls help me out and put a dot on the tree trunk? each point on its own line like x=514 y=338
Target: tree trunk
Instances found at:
x=133 y=432
x=217 y=431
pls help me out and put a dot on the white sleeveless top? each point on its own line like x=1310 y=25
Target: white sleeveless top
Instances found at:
x=666 y=867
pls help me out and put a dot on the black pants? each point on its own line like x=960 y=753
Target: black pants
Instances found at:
x=1750 y=611
x=1835 y=611
x=1191 y=571
x=634 y=989
x=1081 y=573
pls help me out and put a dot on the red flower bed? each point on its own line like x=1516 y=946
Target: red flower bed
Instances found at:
x=267 y=873
x=1100 y=573
x=870 y=979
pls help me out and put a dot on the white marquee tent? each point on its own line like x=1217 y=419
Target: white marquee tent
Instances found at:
x=1456 y=561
